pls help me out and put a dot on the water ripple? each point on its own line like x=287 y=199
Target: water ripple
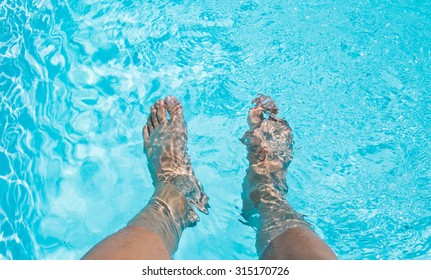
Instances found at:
x=77 y=79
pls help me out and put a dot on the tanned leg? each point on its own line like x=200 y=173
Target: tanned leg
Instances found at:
x=154 y=233
x=282 y=233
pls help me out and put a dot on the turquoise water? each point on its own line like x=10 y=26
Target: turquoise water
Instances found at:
x=77 y=79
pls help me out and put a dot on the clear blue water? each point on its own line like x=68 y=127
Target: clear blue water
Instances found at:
x=352 y=77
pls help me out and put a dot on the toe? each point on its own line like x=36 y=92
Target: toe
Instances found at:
x=153 y=115
x=174 y=108
x=255 y=117
x=266 y=103
x=161 y=111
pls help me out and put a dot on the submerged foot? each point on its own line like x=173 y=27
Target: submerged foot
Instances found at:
x=269 y=147
x=165 y=146
x=170 y=210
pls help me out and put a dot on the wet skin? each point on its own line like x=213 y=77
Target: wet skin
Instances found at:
x=154 y=233
x=165 y=146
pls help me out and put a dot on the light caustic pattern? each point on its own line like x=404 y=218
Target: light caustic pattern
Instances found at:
x=77 y=79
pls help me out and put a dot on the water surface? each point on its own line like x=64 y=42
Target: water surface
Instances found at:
x=77 y=79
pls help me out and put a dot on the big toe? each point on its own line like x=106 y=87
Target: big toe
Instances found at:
x=174 y=108
x=255 y=117
x=161 y=111
x=267 y=103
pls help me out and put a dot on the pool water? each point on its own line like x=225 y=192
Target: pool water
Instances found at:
x=77 y=79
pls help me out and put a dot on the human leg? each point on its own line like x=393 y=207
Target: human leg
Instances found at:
x=155 y=232
x=282 y=233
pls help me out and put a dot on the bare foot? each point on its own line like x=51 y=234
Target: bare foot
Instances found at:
x=165 y=146
x=269 y=147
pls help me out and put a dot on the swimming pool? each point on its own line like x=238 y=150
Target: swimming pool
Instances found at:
x=77 y=79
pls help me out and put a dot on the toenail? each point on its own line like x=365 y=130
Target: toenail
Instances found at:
x=170 y=101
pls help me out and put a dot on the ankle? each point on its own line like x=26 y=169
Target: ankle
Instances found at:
x=179 y=180
x=167 y=214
